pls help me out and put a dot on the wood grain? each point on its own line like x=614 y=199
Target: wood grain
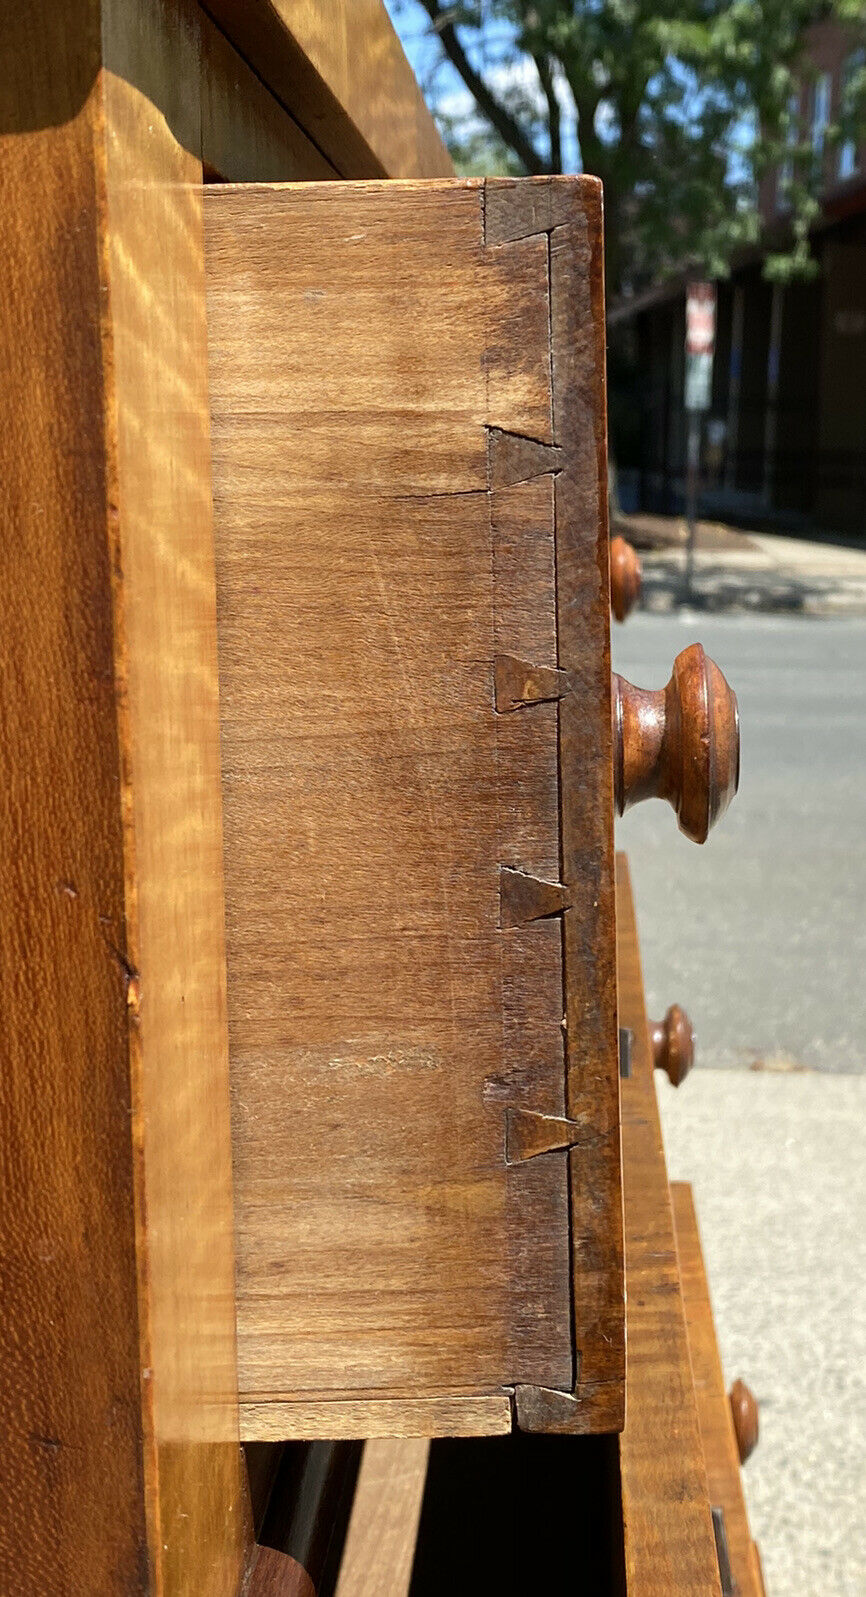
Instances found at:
x=70 y=1426
x=586 y=788
x=568 y=217
x=367 y=1051
x=340 y=71
x=122 y=1456
x=669 y=1543
x=373 y=1416
x=360 y=381
x=277 y=1575
x=380 y=1545
x=171 y=790
x=714 y=1410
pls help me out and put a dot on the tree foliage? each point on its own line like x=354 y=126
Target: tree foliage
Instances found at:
x=679 y=107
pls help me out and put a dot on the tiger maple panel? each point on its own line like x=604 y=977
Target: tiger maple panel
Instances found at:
x=714 y=1409
x=670 y=1548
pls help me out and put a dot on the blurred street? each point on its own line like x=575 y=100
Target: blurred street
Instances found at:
x=760 y=932
x=760 y=936
x=752 y=572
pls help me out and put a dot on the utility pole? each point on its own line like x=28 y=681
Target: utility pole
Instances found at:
x=700 y=345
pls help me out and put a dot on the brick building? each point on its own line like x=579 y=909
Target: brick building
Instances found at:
x=785 y=438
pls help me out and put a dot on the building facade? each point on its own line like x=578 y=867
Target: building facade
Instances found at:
x=785 y=438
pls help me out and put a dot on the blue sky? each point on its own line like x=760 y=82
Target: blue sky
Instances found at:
x=491 y=54
x=436 y=75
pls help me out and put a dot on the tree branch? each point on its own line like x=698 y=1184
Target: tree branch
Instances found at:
x=545 y=76
x=498 y=116
x=591 y=146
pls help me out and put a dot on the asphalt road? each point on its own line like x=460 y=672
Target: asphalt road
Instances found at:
x=760 y=933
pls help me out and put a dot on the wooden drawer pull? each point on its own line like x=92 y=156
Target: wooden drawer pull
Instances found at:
x=673 y=1041
x=744 y=1412
x=681 y=743
x=626 y=578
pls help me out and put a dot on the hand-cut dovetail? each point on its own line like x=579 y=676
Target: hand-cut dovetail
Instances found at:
x=524 y=898
x=517 y=683
x=514 y=209
x=512 y=458
x=528 y=1134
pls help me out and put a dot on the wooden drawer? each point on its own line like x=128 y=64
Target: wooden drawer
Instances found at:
x=657 y=1511
x=408 y=437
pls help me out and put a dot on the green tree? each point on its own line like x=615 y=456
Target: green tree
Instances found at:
x=679 y=107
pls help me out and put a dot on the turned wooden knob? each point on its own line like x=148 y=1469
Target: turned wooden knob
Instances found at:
x=681 y=743
x=625 y=578
x=744 y=1412
x=673 y=1043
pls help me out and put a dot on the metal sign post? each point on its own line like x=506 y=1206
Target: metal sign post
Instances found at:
x=700 y=345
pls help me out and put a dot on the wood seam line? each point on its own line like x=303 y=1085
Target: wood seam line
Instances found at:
x=284 y=109
x=282 y=99
x=515 y=459
x=548 y=216
x=519 y=684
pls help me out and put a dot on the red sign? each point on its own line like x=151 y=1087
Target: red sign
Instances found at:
x=700 y=318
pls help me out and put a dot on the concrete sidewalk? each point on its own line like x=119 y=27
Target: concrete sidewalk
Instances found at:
x=778 y=1174
x=738 y=571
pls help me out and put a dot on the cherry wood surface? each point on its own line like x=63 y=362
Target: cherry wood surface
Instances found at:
x=718 y=1432
x=121 y=1467
x=626 y=578
x=70 y=1427
x=409 y=485
x=667 y=1524
x=681 y=743
x=673 y=1045
x=571 y=220
x=744 y=1414
x=276 y=1574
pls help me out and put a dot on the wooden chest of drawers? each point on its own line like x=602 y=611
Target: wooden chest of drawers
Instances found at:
x=310 y=759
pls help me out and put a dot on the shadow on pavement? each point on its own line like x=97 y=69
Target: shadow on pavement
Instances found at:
x=717 y=588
